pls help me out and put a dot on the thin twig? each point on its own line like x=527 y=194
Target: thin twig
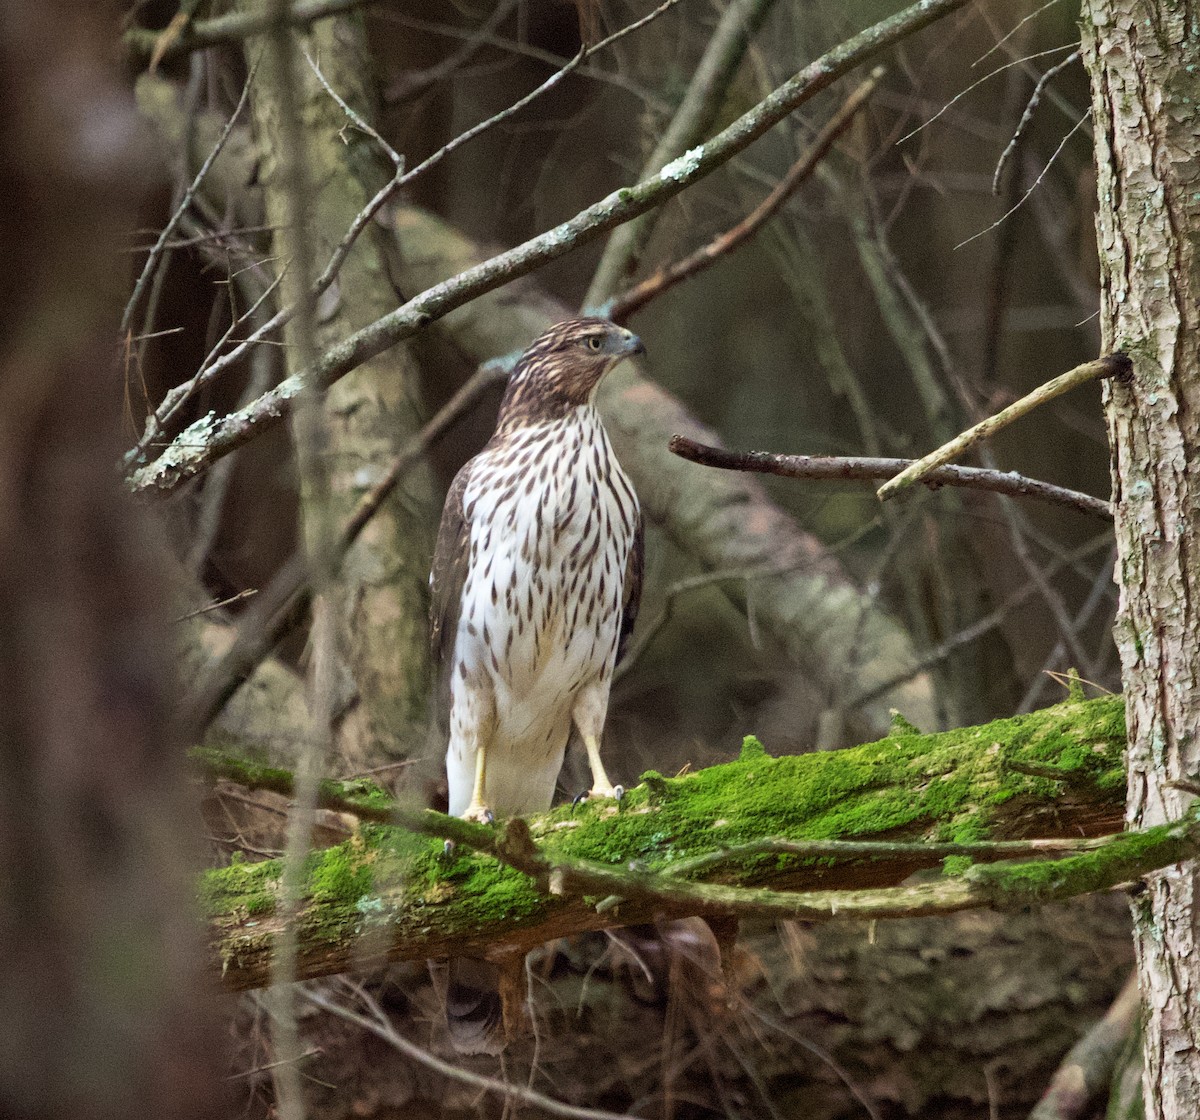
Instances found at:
x=697 y=110
x=211 y=369
x=1004 y=39
x=185 y=203
x=1111 y=365
x=748 y=1006
x=1030 y=108
x=976 y=630
x=1033 y=186
x=979 y=81
x=836 y=467
x=381 y=1028
x=235 y=26
x=1102 y=586
x=1054 y=602
x=209 y=439
x=246 y=594
x=410 y=86
x=648 y=632
x=633 y=300
x=413 y=83
x=284 y=601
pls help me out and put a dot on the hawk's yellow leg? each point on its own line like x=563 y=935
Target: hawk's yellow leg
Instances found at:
x=588 y=713
x=601 y=786
x=477 y=810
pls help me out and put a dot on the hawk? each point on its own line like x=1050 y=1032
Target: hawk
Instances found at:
x=536 y=579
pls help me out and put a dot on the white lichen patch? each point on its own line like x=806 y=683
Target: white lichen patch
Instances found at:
x=683 y=167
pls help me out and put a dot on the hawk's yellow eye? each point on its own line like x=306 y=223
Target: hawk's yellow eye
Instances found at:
x=594 y=343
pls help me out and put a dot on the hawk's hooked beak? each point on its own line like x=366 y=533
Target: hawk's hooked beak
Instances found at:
x=629 y=343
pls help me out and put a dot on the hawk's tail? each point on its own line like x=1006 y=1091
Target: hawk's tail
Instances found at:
x=474 y=1011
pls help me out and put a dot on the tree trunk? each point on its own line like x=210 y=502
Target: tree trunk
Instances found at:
x=368 y=414
x=102 y=1013
x=1144 y=58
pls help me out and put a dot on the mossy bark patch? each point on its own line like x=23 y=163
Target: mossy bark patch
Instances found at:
x=388 y=893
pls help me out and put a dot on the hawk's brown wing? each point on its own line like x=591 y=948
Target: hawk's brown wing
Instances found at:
x=446 y=577
x=633 y=586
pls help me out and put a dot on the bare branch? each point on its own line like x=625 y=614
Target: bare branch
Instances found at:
x=218 y=604
x=1082 y=1080
x=632 y=301
x=293 y=182
x=979 y=81
x=234 y=27
x=215 y=366
x=836 y=467
x=692 y=119
x=412 y=85
x=1112 y=365
x=210 y=438
x=1034 y=100
x=185 y=203
x=285 y=601
x=1033 y=186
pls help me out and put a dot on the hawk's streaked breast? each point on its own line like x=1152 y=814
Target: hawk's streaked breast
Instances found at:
x=552 y=521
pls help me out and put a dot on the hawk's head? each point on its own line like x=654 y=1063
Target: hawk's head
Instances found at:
x=562 y=368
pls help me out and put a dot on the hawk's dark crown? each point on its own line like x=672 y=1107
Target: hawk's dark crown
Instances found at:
x=562 y=368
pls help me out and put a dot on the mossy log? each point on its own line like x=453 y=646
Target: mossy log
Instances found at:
x=391 y=894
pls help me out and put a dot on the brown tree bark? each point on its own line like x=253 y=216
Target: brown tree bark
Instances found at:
x=1143 y=57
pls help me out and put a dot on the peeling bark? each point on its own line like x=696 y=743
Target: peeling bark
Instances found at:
x=1143 y=58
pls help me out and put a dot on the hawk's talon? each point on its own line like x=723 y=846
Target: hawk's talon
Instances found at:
x=613 y=792
x=480 y=814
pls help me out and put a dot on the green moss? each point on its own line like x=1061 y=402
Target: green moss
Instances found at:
x=1074 y=685
x=949 y=786
x=1120 y=859
x=901 y=726
x=240 y=889
x=752 y=749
